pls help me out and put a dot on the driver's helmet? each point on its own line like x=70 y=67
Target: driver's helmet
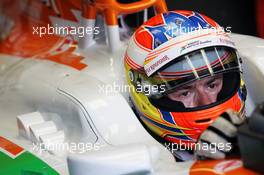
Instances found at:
x=184 y=72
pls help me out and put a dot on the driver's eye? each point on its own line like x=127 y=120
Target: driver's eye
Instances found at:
x=212 y=86
x=185 y=93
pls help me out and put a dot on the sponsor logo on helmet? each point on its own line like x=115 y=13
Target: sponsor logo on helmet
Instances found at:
x=157 y=64
x=194 y=43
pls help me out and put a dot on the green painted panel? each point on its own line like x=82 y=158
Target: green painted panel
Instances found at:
x=24 y=164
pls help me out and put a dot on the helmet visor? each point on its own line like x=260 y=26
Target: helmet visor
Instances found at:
x=198 y=78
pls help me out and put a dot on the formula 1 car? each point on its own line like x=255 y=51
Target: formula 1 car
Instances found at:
x=62 y=108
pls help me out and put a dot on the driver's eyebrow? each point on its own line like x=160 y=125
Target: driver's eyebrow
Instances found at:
x=213 y=79
x=185 y=87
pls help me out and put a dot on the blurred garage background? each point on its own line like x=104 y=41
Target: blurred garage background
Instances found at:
x=244 y=16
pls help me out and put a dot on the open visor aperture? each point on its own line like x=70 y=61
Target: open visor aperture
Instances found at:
x=213 y=63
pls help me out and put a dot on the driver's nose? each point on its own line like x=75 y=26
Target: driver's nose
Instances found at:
x=203 y=98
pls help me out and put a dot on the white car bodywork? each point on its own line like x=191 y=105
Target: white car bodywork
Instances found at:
x=79 y=105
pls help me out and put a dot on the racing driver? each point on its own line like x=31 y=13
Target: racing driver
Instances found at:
x=193 y=93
